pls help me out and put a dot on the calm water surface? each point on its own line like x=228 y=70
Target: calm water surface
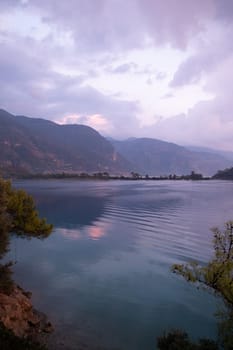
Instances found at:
x=103 y=276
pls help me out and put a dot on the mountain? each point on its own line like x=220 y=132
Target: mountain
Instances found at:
x=38 y=145
x=156 y=157
x=226 y=154
x=30 y=145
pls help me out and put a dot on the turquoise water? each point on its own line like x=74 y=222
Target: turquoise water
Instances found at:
x=103 y=276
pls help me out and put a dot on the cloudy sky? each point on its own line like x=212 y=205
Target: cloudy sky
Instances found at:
x=151 y=68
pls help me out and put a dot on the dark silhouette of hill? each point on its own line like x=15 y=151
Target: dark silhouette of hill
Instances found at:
x=226 y=174
x=38 y=145
x=156 y=157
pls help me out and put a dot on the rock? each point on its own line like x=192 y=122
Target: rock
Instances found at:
x=18 y=314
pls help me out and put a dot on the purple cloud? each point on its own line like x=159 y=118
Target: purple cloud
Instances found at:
x=30 y=86
x=103 y=25
x=50 y=78
x=209 y=56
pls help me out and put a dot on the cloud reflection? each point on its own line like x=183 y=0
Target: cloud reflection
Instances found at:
x=94 y=232
x=71 y=234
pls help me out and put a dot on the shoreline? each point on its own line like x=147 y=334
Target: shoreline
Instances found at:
x=18 y=315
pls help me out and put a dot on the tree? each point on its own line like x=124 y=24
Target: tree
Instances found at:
x=218 y=273
x=195 y=176
x=135 y=176
x=18 y=212
x=217 y=276
x=4 y=218
x=179 y=340
x=25 y=219
x=18 y=215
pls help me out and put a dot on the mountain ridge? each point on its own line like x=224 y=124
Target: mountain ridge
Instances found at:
x=226 y=154
x=37 y=145
x=157 y=157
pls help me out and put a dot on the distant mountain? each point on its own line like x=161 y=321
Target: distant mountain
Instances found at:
x=226 y=174
x=30 y=145
x=38 y=145
x=156 y=157
x=226 y=154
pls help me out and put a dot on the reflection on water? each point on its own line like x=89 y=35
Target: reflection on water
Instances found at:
x=103 y=276
x=96 y=231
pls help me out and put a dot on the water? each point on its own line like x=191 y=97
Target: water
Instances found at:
x=103 y=276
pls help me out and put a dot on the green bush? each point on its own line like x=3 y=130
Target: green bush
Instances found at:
x=18 y=215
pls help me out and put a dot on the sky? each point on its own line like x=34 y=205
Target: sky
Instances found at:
x=132 y=68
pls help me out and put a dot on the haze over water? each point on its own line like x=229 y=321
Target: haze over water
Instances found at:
x=103 y=276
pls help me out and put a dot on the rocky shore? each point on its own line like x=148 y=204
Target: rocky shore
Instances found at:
x=18 y=315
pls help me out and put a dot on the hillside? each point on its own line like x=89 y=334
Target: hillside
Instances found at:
x=226 y=154
x=30 y=145
x=38 y=145
x=156 y=157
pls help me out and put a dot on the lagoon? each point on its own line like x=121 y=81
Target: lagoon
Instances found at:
x=103 y=276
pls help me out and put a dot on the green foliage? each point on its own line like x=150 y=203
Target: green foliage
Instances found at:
x=174 y=340
x=17 y=215
x=179 y=340
x=24 y=216
x=217 y=275
x=206 y=344
x=4 y=218
x=4 y=240
x=225 y=328
x=6 y=284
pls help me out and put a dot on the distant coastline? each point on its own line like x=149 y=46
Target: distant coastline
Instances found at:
x=106 y=176
x=226 y=174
